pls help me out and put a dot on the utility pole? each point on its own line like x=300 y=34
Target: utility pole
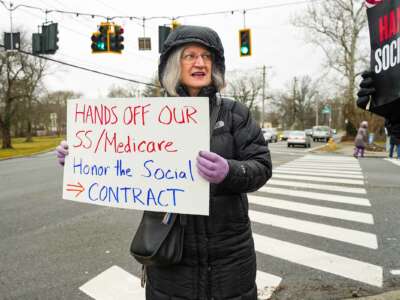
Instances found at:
x=316 y=110
x=263 y=98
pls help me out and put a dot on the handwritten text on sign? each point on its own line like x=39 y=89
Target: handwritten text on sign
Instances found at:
x=137 y=153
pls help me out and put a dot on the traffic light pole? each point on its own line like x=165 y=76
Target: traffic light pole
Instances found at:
x=11 y=28
x=263 y=98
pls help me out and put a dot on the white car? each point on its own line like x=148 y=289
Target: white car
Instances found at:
x=299 y=138
x=270 y=135
x=323 y=133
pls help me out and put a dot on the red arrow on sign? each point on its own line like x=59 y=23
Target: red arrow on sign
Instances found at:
x=75 y=188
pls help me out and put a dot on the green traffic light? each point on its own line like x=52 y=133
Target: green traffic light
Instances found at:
x=244 y=50
x=101 y=45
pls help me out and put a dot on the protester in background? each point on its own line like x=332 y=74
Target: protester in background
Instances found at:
x=219 y=260
x=361 y=140
x=394 y=139
x=392 y=119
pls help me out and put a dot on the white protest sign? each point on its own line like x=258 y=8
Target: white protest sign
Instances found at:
x=138 y=153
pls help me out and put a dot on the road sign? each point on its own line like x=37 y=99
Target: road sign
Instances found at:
x=326 y=110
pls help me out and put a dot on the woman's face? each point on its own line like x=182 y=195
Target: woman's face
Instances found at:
x=196 y=66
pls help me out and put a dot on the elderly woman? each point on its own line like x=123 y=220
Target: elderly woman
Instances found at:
x=361 y=140
x=219 y=259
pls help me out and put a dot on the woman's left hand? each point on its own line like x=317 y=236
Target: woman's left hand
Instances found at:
x=212 y=167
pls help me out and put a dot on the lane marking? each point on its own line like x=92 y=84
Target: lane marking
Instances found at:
x=317 y=196
x=319 y=179
x=350 y=236
x=326 y=187
x=323 y=211
x=320 y=260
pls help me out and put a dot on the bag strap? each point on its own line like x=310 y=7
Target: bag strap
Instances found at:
x=214 y=113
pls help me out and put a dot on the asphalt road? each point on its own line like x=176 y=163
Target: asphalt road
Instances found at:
x=325 y=226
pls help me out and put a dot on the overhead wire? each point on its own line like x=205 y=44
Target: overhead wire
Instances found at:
x=93 y=15
x=83 y=68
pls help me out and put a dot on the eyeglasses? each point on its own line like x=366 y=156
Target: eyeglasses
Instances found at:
x=192 y=57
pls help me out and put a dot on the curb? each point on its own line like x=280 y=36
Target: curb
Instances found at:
x=393 y=295
x=30 y=155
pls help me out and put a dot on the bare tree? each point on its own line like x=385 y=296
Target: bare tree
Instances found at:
x=153 y=90
x=245 y=87
x=336 y=26
x=56 y=103
x=20 y=77
x=295 y=105
x=127 y=91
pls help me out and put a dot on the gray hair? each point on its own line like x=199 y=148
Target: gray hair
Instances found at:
x=172 y=73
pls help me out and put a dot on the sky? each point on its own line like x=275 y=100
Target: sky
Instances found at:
x=275 y=42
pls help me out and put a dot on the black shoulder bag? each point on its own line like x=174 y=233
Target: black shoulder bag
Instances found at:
x=159 y=237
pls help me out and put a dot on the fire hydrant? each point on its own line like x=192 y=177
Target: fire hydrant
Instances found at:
x=331 y=145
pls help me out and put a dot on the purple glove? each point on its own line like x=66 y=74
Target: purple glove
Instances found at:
x=212 y=167
x=62 y=152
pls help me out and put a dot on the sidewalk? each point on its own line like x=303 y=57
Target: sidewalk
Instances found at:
x=347 y=149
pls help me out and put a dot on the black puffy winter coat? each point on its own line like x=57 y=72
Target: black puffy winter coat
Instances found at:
x=219 y=260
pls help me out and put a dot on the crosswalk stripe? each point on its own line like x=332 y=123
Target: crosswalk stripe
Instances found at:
x=350 y=236
x=320 y=179
x=320 y=260
x=326 y=187
x=116 y=283
x=323 y=166
x=325 y=162
x=393 y=161
x=313 y=209
x=267 y=280
x=324 y=170
x=349 y=160
x=313 y=173
x=317 y=196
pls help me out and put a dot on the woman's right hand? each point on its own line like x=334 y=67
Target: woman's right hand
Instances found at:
x=62 y=152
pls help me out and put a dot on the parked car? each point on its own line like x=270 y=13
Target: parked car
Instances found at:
x=308 y=132
x=299 y=138
x=284 y=136
x=323 y=133
x=270 y=135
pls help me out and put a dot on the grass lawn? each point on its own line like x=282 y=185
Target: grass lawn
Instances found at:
x=21 y=148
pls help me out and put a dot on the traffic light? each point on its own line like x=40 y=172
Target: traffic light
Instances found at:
x=50 y=38
x=15 y=36
x=163 y=32
x=100 y=41
x=116 y=39
x=245 y=42
x=46 y=42
x=175 y=24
